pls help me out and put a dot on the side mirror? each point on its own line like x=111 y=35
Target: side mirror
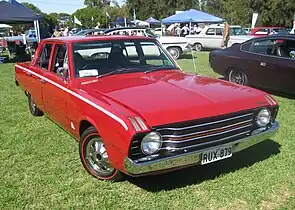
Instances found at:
x=62 y=72
x=292 y=54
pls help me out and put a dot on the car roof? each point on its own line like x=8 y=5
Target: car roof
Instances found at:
x=222 y=26
x=71 y=39
x=273 y=37
x=124 y=28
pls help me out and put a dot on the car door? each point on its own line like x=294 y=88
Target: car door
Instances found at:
x=54 y=90
x=280 y=66
x=269 y=69
x=40 y=67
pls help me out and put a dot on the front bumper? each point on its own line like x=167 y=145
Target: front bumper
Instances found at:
x=194 y=157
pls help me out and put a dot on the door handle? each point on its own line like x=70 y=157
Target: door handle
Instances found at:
x=29 y=74
x=42 y=81
x=262 y=64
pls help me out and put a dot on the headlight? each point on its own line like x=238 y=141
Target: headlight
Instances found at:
x=263 y=118
x=151 y=143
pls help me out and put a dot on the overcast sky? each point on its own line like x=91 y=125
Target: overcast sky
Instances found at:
x=68 y=6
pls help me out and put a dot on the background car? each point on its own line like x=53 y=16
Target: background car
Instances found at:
x=267 y=62
x=88 y=32
x=176 y=46
x=265 y=31
x=211 y=37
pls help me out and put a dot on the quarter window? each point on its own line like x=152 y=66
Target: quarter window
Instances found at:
x=219 y=31
x=44 y=58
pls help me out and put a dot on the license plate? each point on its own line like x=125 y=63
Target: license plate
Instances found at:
x=217 y=154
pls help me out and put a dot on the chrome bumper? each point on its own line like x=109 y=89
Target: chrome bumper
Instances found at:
x=194 y=157
x=187 y=49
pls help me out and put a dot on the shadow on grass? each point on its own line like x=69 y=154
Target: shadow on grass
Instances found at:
x=198 y=174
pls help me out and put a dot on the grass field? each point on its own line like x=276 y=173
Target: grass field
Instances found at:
x=40 y=167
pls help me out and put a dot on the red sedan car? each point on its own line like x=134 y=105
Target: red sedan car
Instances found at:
x=135 y=111
x=271 y=30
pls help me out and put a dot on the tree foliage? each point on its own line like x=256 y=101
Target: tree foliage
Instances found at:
x=97 y=3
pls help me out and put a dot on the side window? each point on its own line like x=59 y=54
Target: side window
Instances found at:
x=246 y=46
x=60 y=65
x=211 y=31
x=44 y=58
x=218 y=31
x=263 y=47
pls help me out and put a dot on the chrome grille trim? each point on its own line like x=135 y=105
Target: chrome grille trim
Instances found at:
x=204 y=124
x=205 y=143
x=200 y=132
x=201 y=137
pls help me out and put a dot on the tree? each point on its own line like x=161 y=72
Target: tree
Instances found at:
x=159 y=8
x=32 y=7
x=85 y=16
x=97 y=3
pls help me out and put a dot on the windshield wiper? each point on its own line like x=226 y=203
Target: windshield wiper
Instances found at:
x=117 y=71
x=158 y=68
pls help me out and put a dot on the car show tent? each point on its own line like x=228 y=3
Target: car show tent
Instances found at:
x=153 y=21
x=192 y=16
x=14 y=13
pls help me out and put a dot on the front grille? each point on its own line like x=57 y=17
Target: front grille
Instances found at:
x=200 y=134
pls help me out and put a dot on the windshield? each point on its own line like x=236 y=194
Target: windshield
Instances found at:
x=280 y=31
x=237 y=31
x=150 y=33
x=96 y=58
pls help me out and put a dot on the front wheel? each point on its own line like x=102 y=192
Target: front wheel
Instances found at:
x=35 y=111
x=94 y=156
x=237 y=76
x=175 y=52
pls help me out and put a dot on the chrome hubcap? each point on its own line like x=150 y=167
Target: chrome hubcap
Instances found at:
x=198 y=47
x=97 y=156
x=173 y=52
x=33 y=106
x=238 y=77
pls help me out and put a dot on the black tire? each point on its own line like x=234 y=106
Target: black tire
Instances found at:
x=35 y=111
x=198 y=47
x=175 y=52
x=93 y=159
x=238 y=76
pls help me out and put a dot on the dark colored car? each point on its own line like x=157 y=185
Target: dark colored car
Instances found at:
x=266 y=62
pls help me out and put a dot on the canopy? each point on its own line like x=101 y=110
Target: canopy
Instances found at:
x=140 y=23
x=14 y=13
x=5 y=26
x=152 y=20
x=192 y=15
x=121 y=20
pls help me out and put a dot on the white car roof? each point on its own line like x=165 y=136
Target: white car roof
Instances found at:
x=222 y=26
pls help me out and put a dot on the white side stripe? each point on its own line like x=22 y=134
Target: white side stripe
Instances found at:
x=116 y=118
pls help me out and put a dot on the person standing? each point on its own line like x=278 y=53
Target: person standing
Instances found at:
x=226 y=35
x=185 y=30
x=178 y=30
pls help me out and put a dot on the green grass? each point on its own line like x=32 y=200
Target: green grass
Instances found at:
x=40 y=167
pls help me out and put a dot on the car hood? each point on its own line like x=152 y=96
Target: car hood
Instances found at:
x=171 y=39
x=165 y=97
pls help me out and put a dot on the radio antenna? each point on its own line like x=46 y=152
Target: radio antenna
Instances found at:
x=193 y=56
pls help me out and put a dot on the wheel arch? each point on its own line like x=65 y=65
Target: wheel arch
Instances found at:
x=175 y=47
x=84 y=124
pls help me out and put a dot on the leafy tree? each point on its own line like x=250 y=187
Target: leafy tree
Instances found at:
x=97 y=3
x=159 y=8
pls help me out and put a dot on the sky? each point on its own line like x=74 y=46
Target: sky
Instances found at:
x=67 y=6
